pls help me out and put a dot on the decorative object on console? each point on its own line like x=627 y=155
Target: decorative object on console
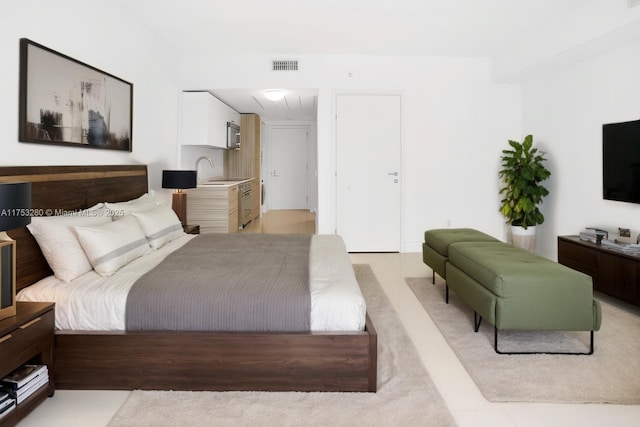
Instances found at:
x=15 y=212
x=522 y=172
x=180 y=180
x=594 y=235
x=67 y=102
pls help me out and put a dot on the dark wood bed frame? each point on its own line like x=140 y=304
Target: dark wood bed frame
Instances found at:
x=120 y=360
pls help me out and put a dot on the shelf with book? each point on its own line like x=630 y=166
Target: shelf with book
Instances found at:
x=27 y=339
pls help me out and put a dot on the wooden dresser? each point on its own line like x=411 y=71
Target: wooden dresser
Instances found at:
x=613 y=272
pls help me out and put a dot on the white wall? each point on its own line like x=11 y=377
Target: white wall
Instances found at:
x=456 y=122
x=595 y=26
x=101 y=35
x=565 y=111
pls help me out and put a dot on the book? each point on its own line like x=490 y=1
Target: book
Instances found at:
x=7 y=402
x=23 y=393
x=25 y=381
x=5 y=411
x=22 y=376
x=32 y=388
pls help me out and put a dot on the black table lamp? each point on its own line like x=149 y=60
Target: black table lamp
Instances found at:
x=179 y=180
x=15 y=207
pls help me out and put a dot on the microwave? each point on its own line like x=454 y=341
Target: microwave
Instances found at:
x=233 y=136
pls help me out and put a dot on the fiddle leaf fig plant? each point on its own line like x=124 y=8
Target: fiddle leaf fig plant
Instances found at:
x=522 y=173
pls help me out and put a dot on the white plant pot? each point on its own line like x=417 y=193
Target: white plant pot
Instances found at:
x=524 y=238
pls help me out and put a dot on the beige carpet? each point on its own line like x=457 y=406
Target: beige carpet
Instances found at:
x=406 y=395
x=610 y=375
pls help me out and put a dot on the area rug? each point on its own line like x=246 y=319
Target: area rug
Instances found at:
x=610 y=375
x=406 y=394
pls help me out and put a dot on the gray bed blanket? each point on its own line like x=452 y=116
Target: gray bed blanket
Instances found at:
x=226 y=282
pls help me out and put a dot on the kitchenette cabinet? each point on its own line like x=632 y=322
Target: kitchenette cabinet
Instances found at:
x=214 y=208
x=204 y=120
x=246 y=161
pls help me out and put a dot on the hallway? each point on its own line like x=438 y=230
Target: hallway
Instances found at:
x=293 y=221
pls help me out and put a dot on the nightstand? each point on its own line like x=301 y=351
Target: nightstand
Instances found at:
x=25 y=338
x=191 y=229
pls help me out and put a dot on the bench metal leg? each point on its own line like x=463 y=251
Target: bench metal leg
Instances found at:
x=477 y=320
x=495 y=346
x=446 y=295
x=433 y=278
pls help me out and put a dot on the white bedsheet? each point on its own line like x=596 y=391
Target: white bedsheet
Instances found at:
x=92 y=302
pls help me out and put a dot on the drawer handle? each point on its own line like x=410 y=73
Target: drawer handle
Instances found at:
x=5 y=338
x=26 y=325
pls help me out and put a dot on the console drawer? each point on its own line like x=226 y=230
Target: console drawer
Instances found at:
x=27 y=340
x=579 y=253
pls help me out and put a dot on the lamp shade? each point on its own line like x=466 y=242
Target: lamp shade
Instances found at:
x=179 y=179
x=15 y=205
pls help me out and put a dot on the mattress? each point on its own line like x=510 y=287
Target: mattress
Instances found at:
x=92 y=302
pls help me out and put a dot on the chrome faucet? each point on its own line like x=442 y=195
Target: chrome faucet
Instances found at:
x=207 y=158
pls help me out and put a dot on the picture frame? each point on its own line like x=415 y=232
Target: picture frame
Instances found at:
x=66 y=102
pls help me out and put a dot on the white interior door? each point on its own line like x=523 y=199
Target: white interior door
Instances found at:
x=369 y=143
x=288 y=179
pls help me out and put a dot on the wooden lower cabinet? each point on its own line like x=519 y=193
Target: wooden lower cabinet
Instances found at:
x=614 y=273
x=245 y=162
x=213 y=208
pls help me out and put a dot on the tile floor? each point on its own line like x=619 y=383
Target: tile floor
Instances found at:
x=466 y=403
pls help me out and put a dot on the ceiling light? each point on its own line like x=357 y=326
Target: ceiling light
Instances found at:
x=274 y=94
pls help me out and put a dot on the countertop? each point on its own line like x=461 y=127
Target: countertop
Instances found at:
x=223 y=182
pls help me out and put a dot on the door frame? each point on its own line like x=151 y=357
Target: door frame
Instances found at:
x=311 y=169
x=334 y=159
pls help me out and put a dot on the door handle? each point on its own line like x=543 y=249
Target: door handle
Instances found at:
x=393 y=173
x=274 y=173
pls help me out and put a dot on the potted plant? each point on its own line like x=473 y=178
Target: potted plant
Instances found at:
x=522 y=173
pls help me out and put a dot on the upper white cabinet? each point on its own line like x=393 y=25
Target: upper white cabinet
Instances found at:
x=204 y=120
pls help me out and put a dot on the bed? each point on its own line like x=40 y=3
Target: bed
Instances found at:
x=179 y=360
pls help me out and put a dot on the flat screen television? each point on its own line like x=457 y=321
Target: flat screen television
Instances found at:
x=621 y=161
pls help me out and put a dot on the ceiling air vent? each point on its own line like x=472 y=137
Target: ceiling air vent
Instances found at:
x=284 y=65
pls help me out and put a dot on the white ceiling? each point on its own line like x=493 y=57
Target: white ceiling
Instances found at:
x=298 y=104
x=387 y=27
x=478 y=28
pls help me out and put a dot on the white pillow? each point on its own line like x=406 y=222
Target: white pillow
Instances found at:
x=120 y=209
x=113 y=245
x=59 y=243
x=160 y=225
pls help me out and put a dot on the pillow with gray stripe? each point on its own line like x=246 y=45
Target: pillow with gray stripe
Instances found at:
x=161 y=225
x=113 y=245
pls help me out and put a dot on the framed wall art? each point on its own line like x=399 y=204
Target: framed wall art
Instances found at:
x=67 y=102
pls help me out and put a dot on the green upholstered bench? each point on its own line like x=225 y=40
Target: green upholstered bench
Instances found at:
x=435 y=249
x=515 y=289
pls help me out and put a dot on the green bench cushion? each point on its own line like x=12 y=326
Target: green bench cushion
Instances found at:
x=503 y=268
x=531 y=290
x=439 y=239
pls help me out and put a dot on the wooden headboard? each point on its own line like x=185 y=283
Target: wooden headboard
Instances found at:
x=66 y=188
